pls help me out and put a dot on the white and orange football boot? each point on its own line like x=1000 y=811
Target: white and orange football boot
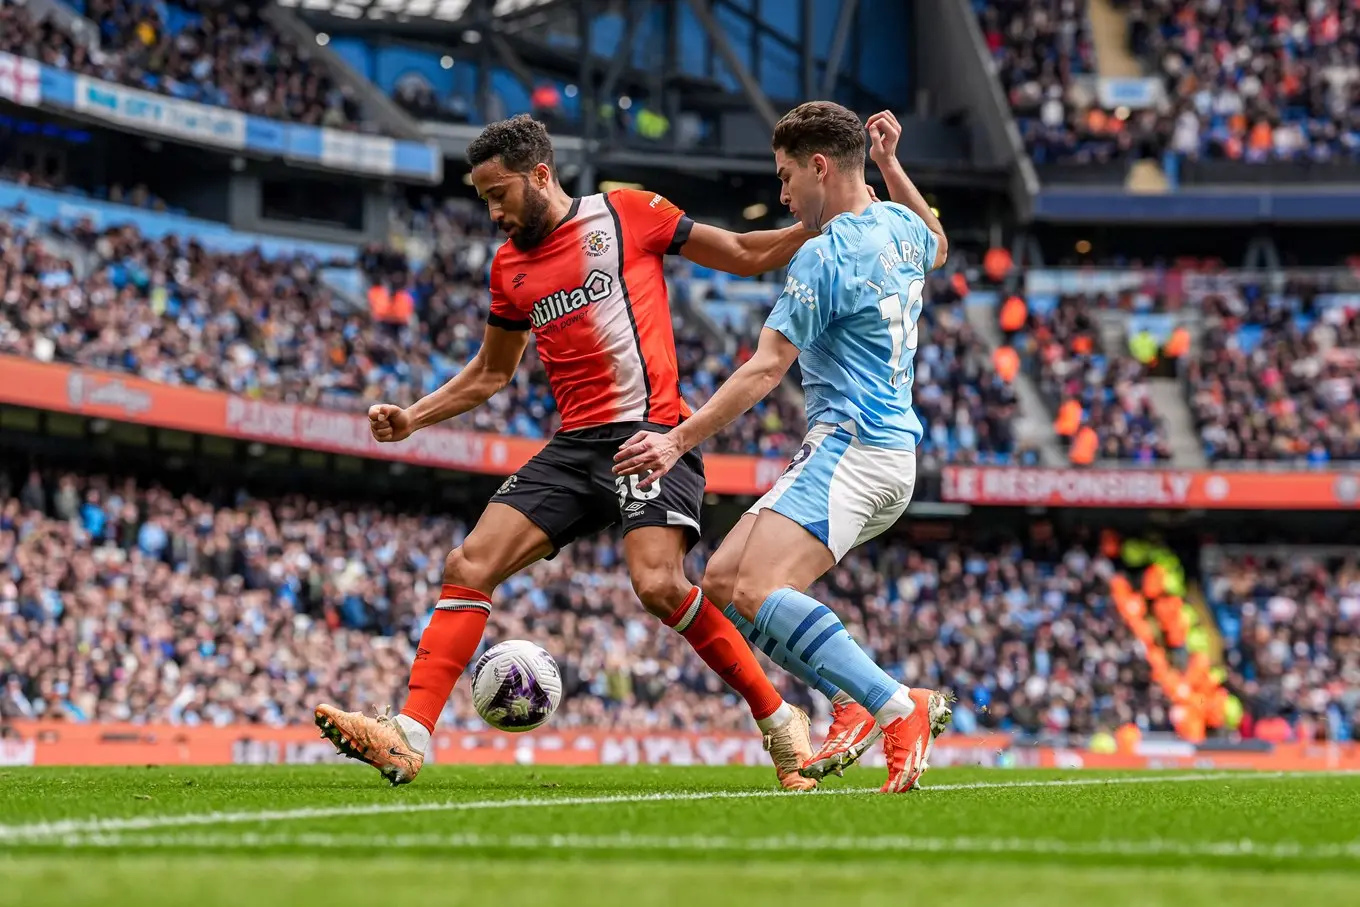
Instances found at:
x=789 y=746
x=851 y=734
x=907 y=741
x=378 y=741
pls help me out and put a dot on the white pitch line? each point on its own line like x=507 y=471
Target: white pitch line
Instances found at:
x=146 y=823
x=151 y=823
x=1137 y=779
x=779 y=844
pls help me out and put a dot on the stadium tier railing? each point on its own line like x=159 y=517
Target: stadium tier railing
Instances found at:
x=1260 y=202
x=121 y=398
x=48 y=206
x=1174 y=287
x=33 y=84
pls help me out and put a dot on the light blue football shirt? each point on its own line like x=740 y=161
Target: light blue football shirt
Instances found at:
x=850 y=305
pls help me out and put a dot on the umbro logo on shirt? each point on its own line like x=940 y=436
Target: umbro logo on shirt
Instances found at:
x=519 y=279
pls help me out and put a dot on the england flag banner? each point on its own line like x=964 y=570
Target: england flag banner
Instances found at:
x=20 y=80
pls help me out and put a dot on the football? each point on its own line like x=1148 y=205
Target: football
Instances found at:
x=516 y=686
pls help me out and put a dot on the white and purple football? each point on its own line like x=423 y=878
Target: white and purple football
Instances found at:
x=516 y=686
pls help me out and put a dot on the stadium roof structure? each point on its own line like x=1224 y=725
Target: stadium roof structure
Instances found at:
x=548 y=39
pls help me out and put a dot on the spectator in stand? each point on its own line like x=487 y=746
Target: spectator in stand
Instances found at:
x=773 y=428
x=966 y=407
x=414 y=94
x=223 y=54
x=24 y=35
x=1041 y=48
x=1061 y=347
x=1271 y=384
x=34 y=178
x=1292 y=622
x=546 y=102
x=1277 y=80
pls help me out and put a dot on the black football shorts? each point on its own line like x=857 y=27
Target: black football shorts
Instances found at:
x=569 y=489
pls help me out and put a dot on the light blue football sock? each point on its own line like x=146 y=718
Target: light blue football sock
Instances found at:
x=815 y=635
x=779 y=655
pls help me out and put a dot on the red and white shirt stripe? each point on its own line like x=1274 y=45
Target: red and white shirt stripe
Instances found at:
x=594 y=293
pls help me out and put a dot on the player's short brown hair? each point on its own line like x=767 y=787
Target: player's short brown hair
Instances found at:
x=822 y=127
x=521 y=143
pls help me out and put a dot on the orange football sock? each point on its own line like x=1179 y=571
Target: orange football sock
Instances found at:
x=724 y=650
x=445 y=648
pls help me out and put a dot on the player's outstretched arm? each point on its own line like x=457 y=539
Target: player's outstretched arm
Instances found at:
x=488 y=372
x=744 y=254
x=651 y=454
x=884 y=134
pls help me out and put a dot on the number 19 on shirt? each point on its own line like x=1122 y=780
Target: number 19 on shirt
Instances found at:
x=899 y=314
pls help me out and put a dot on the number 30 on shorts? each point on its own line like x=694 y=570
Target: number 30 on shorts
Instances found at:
x=628 y=488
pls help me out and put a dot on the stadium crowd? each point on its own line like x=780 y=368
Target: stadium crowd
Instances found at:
x=966 y=406
x=128 y=602
x=774 y=427
x=1276 y=80
x=1040 y=50
x=1062 y=346
x=175 y=312
x=1272 y=384
x=1271 y=81
x=1293 y=624
x=172 y=311
x=221 y=54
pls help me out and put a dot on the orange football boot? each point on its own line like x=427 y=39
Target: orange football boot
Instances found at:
x=907 y=741
x=378 y=741
x=851 y=734
x=789 y=746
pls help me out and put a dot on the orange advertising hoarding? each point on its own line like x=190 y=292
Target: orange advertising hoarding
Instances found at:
x=1151 y=488
x=51 y=743
x=57 y=743
x=123 y=398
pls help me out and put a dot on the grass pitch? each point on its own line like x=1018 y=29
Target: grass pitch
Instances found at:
x=318 y=835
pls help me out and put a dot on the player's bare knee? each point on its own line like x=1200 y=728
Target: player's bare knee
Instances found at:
x=748 y=596
x=720 y=581
x=661 y=591
x=460 y=569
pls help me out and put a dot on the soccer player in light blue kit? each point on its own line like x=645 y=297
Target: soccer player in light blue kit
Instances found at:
x=848 y=314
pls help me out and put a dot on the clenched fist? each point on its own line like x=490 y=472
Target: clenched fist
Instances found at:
x=884 y=134
x=388 y=422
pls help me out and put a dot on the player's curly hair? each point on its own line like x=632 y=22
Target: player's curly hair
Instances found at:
x=822 y=127
x=521 y=143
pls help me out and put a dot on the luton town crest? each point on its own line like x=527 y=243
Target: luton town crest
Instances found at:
x=596 y=244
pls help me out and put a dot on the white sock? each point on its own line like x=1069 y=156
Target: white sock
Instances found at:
x=842 y=698
x=780 y=716
x=899 y=706
x=415 y=732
